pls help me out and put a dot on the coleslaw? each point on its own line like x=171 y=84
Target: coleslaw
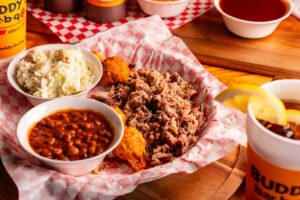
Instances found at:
x=54 y=73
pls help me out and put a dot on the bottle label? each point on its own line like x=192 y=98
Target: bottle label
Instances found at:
x=266 y=181
x=12 y=27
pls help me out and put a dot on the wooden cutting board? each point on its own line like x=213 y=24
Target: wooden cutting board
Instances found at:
x=212 y=43
x=218 y=180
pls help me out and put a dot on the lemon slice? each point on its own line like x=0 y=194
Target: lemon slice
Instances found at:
x=264 y=104
x=293 y=115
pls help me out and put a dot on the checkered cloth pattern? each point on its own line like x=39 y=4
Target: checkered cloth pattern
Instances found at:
x=138 y=43
x=72 y=28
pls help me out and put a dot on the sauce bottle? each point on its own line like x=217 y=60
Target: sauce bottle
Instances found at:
x=105 y=11
x=63 y=6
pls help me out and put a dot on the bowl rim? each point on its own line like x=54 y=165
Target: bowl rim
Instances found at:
x=264 y=129
x=13 y=63
x=69 y=162
x=290 y=4
x=268 y=132
x=165 y=2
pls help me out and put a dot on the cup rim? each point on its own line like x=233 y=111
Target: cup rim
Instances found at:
x=288 y=13
x=69 y=162
x=15 y=85
x=165 y=2
x=267 y=131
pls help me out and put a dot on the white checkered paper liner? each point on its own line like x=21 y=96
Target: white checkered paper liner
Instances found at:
x=224 y=128
x=72 y=28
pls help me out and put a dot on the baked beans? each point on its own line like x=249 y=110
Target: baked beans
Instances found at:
x=71 y=135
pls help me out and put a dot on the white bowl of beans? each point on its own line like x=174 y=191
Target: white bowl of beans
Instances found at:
x=71 y=135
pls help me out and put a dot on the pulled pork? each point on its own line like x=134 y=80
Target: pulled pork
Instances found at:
x=160 y=107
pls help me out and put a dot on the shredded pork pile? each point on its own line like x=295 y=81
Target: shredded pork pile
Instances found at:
x=160 y=107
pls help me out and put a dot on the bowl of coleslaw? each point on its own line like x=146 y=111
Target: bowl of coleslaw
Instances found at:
x=54 y=71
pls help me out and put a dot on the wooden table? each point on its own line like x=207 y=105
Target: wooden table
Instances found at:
x=218 y=50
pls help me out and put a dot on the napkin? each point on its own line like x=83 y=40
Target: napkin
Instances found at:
x=145 y=42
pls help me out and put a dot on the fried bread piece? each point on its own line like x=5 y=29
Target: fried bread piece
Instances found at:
x=115 y=70
x=132 y=149
x=121 y=113
x=99 y=55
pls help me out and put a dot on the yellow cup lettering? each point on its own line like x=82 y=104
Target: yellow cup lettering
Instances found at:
x=269 y=182
x=12 y=27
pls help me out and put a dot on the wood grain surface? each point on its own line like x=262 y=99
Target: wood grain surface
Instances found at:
x=218 y=180
x=213 y=44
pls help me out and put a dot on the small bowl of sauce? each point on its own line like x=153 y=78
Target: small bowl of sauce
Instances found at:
x=253 y=18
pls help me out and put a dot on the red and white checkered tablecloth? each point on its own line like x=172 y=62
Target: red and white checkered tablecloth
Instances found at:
x=72 y=28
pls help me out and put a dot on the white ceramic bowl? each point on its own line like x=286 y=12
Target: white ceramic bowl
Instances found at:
x=251 y=29
x=98 y=70
x=164 y=9
x=77 y=167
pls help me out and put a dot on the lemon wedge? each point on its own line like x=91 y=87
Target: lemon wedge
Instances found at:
x=293 y=115
x=264 y=104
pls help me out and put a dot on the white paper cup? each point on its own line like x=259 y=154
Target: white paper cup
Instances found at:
x=273 y=161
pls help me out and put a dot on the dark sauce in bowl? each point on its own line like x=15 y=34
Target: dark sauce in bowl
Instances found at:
x=255 y=10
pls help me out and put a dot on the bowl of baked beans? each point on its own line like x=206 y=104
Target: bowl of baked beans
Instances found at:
x=71 y=135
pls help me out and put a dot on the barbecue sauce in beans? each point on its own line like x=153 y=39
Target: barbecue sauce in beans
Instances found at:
x=255 y=10
x=71 y=135
x=291 y=130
